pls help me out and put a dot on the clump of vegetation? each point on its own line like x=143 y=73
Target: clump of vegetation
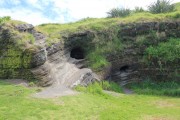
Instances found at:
x=138 y=10
x=149 y=87
x=119 y=12
x=94 y=88
x=111 y=86
x=164 y=52
x=161 y=6
x=4 y=19
x=98 y=87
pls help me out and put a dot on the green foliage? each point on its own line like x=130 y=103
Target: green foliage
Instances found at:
x=161 y=6
x=97 y=57
x=98 y=87
x=117 y=12
x=94 y=88
x=138 y=10
x=32 y=84
x=164 y=52
x=97 y=61
x=174 y=15
x=4 y=19
x=111 y=86
x=149 y=87
x=177 y=6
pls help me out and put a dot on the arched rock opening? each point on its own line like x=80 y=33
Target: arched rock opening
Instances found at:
x=77 y=53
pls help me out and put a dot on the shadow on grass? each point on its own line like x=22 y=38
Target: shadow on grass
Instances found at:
x=148 y=87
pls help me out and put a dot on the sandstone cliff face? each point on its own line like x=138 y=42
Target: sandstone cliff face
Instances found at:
x=50 y=65
x=64 y=62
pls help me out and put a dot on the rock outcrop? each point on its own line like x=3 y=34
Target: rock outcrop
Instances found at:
x=128 y=66
x=64 y=63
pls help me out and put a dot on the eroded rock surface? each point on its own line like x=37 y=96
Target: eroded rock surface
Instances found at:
x=64 y=63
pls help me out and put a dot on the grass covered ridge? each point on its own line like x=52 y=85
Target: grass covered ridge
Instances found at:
x=16 y=103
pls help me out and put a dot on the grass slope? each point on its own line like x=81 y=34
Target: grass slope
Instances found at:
x=16 y=103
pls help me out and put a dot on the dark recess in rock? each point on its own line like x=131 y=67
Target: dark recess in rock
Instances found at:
x=124 y=68
x=77 y=53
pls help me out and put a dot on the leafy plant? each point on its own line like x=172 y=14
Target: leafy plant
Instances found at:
x=119 y=12
x=111 y=86
x=94 y=88
x=4 y=19
x=164 y=52
x=98 y=87
x=138 y=10
x=161 y=6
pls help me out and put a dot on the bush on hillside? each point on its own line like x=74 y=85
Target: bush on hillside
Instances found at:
x=4 y=19
x=138 y=10
x=119 y=12
x=164 y=52
x=161 y=6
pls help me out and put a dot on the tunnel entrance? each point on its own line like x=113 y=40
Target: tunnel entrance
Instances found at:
x=124 y=68
x=77 y=53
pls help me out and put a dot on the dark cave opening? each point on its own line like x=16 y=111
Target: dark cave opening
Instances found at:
x=124 y=68
x=77 y=53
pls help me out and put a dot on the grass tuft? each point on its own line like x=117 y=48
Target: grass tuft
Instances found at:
x=149 y=87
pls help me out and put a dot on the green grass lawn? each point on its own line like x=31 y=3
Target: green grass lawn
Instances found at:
x=16 y=103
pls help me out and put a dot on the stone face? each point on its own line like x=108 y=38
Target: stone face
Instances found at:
x=39 y=58
x=80 y=38
x=38 y=35
x=25 y=27
x=54 y=48
x=133 y=30
x=54 y=65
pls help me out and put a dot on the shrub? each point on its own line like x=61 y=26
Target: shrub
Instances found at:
x=111 y=86
x=117 y=12
x=164 y=52
x=94 y=88
x=138 y=10
x=98 y=87
x=161 y=6
x=4 y=19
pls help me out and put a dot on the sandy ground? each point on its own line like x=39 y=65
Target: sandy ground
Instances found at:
x=47 y=92
x=54 y=92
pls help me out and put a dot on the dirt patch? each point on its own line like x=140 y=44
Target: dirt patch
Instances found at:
x=149 y=117
x=163 y=103
x=54 y=92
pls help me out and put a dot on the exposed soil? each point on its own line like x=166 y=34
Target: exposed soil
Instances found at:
x=55 y=91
